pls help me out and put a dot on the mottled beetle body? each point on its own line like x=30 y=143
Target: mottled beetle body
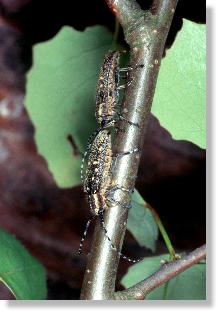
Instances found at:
x=97 y=174
x=107 y=94
x=107 y=89
x=96 y=202
x=98 y=180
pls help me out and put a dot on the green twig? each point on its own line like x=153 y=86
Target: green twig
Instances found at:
x=164 y=234
x=116 y=31
x=166 y=285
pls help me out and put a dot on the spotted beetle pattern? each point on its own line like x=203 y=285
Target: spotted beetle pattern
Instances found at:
x=107 y=90
x=97 y=182
x=97 y=174
x=99 y=161
x=107 y=94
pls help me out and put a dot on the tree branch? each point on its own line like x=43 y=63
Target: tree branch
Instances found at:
x=131 y=8
x=146 y=34
x=166 y=272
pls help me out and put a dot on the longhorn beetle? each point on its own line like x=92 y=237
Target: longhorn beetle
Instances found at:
x=107 y=95
x=98 y=180
x=108 y=91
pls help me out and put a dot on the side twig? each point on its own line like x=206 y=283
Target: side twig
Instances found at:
x=166 y=272
x=145 y=32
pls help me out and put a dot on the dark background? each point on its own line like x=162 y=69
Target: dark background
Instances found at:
x=50 y=221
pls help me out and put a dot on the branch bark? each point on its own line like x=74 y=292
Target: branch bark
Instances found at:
x=167 y=271
x=145 y=32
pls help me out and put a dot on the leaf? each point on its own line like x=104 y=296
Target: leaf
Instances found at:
x=179 y=101
x=141 y=223
x=61 y=90
x=189 y=285
x=61 y=97
x=19 y=271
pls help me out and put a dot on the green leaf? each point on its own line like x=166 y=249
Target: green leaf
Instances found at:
x=189 y=285
x=61 y=91
x=61 y=96
x=141 y=223
x=179 y=101
x=19 y=271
